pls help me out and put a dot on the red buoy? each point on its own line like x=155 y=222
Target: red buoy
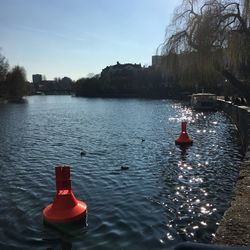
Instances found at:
x=65 y=208
x=183 y=139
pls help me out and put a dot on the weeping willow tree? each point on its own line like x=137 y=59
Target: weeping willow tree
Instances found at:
x=208 y=40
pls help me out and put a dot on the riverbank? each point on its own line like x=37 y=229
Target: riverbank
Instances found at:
x=3 y=101
x=234 y=228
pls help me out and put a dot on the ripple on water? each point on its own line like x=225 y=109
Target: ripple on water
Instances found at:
x=167 y=195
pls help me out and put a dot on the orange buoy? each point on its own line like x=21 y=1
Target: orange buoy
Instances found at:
x=183 y=139
x=65 y=208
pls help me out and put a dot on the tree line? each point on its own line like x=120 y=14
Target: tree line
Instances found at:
x=124 y=80
x=13 y=84
x=207 y=42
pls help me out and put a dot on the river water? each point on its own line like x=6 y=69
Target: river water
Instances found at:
x=167 y=195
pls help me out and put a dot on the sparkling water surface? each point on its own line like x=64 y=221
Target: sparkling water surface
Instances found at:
x=167 y=195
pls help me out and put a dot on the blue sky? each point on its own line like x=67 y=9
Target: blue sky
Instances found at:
x=72 y=38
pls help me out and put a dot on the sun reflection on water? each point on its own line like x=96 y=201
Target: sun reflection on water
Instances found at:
x=191 y=193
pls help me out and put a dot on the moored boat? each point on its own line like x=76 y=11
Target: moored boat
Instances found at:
x=204 y=101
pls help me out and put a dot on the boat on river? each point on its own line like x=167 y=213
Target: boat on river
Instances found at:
x=204 y=101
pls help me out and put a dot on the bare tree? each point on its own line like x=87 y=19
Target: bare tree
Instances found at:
x=4 y=66
x=208 y=39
